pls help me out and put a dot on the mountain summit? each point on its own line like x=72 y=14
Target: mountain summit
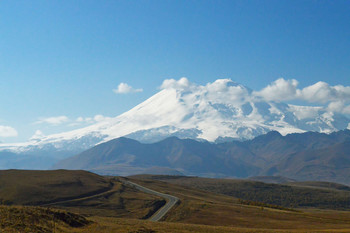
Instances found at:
x=219 y=111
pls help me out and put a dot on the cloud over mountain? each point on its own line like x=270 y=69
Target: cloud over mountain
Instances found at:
x=7 y=131
x=219 y=110
x=124 y=88
x=279 y=90
x=180 y=84
x=57 y=120
x=337 y=97
x=333 y=98
x=37 y=135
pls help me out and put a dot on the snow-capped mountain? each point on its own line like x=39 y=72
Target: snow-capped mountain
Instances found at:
x=218 y=110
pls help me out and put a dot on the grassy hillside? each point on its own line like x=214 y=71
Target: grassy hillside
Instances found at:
x=122 y=202
x=301 y=194
x=43 y=220
x=40 y=220
x=38 y=187
x=208 y=208
x=120 y=208
x=78 y=191
x=320 y=184
x=111 y=225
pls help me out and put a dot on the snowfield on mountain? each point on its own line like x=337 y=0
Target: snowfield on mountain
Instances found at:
x=218 y=111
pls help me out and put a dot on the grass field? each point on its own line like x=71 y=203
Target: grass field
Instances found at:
x=43 y=220
x=91 y=203
x=78 y=191
x=25 y=187
x=292 y=195
x=121 y=202
x=37 y=219
x=208 y=208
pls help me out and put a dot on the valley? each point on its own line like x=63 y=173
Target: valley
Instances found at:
x=113 y=204
x=175 y=116
x=289 y=194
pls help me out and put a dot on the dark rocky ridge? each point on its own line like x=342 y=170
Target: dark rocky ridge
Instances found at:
x=306 y=156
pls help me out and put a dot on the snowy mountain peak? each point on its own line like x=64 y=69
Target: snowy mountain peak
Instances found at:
x=221 y=109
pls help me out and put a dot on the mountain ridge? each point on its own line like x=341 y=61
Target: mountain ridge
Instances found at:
x=256 y=157
x=218 y=111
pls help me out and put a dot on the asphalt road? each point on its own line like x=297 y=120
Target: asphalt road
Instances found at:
x=171 y=200
x=113 y=189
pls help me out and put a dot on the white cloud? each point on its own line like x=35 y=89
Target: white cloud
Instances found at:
x=99 y=118
x=7 y=131
x=37 y=135
x=279 y=90
x=346 y=110
x=320 y=92
x=124 y=88
x=180 y=84
x=80 y=119
x=336 y=97
x=53 y=120
x=338 y=106
x=225 y=90
x=305 y=112
x=84 y=120
x=335 y=106
x=89 y=120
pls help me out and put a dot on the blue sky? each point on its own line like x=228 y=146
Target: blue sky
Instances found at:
x=64 y=58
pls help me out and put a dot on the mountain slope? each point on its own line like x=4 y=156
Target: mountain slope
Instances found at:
x=297 y=156
x=29 y=187
x=217 y=111
x=296 y=194
x=124 y=156
x=321 y=164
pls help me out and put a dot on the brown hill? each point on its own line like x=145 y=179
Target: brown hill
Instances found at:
x=78 y=191
x=327 y=164
x=39 y=220
x=293 y=156
x=198 y=206
x=27 y=187
x=292 y=194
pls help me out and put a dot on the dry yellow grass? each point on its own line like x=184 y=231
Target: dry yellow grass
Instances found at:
x=119 y=209
x=122 y=202
x=42 y=220
x=81 y=192
x=110 y=225
x=39 y=220
x=200 y=207
x=27 y=187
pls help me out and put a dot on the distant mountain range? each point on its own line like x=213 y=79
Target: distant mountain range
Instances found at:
x=217 y=112
x=305 y=156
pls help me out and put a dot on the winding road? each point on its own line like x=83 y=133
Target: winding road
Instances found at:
x=171 y=200
x=113 y=189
